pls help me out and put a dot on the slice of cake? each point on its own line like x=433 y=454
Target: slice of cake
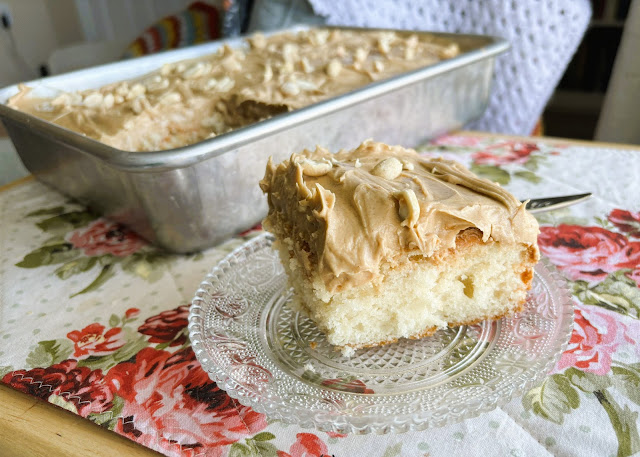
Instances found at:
x=380 y=243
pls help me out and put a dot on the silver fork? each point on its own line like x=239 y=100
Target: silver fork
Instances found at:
x=538 y=205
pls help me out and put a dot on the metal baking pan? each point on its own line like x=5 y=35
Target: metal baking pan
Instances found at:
x=192 y=197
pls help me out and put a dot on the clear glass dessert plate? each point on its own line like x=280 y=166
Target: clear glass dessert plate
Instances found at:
x=273 y=358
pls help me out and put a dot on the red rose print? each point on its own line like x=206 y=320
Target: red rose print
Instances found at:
x=131 y=313
x=505 y=153
x=595 y=337
x=626 y=221
x=84 y=388
x=93 y=340
x=171 y=405
x=106 y=237
x=255 y=228
x=166 y=326
x=588 y=253
x=458 y=140
x=308 y=445
x=348 y=385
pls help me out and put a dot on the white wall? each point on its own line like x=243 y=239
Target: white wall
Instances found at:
x=39 y=27
x=123 y=20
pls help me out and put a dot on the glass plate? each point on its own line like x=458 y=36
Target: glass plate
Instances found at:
x=272 y=358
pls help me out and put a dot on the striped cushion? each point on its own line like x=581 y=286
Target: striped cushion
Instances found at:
x=198 y=23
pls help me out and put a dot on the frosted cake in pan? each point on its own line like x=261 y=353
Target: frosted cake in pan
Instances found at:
x=186 y=102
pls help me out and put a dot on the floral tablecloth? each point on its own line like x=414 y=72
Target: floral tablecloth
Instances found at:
x=93 y=320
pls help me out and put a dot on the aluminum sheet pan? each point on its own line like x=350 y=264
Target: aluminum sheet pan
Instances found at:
x=190 y=198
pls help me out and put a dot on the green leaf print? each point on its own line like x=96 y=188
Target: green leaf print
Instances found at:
x=240 y=450
x=50 y=352
x=105 y=274
x=76 y=266
x=49 y=255
x=604 y=223
x=617 y=293
x=109 y=419
x=528 y=176
x=257 y=445
x=262 y=448
x=624 y=422
x=4 y=369
x=554 y=398
x=66 y=222
x=492 y=173
x=114 y=320
x=627 y=380
x=118 y=405
x=145 y=265
x=63 y=403
x=560 y=216
x=534 y=161
x=587 y=382
x=264 y=436
x=47 y=211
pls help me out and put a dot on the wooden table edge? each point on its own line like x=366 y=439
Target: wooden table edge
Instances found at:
x=33 y=427
x=16 y=183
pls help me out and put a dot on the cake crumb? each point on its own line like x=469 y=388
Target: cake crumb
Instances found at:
x=347 y=351
x=313 y=345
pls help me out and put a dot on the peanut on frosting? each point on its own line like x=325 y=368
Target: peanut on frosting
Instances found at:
x=388 y=168
x=355 y=210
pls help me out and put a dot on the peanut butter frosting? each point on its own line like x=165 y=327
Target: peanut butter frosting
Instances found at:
x=355 y=210
x=186 y=102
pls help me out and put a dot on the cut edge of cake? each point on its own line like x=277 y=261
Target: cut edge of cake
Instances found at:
x=367 y=316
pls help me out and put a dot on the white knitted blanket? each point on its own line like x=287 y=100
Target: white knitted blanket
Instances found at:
x=543 y=34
